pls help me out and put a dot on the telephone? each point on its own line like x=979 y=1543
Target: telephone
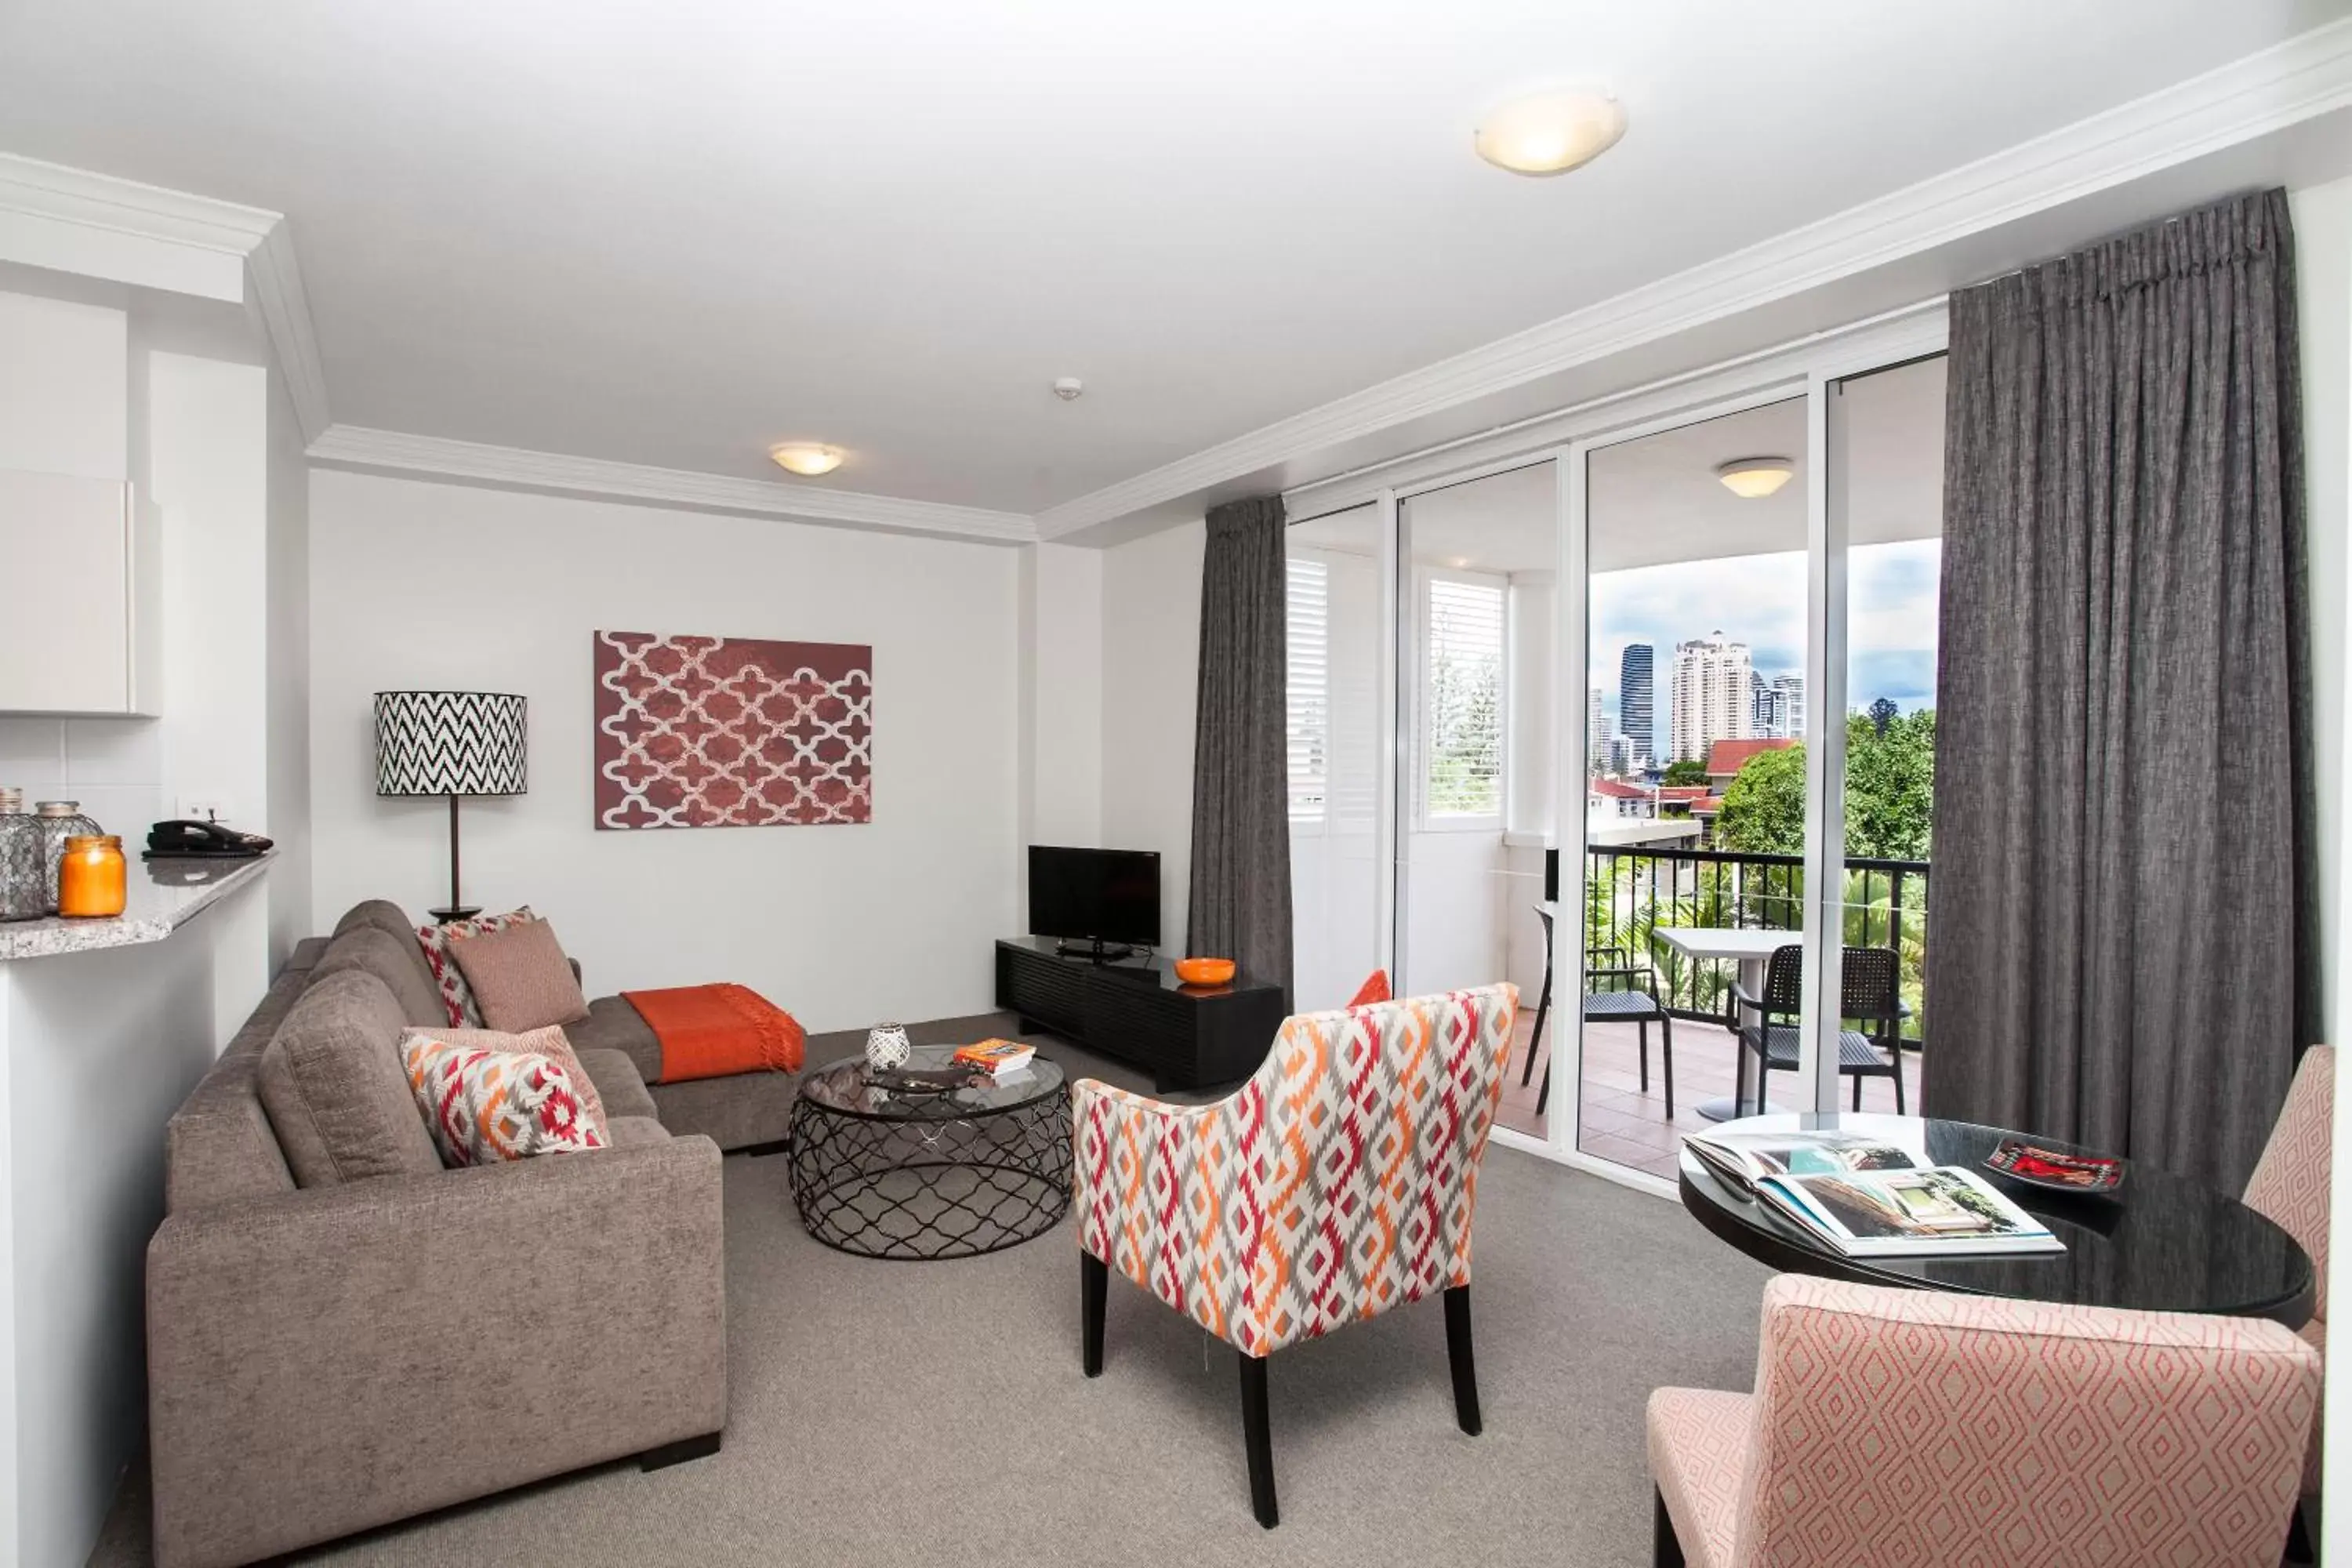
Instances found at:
x=208 y=840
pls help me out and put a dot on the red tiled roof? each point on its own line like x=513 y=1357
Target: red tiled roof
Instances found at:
x=1707 y=807
x=1616 y=789
x=1727 y=757
x=1684 y=792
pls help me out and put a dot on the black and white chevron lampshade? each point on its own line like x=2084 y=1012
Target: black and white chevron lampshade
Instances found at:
x=448 y=743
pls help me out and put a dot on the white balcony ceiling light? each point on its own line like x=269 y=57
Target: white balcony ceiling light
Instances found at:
x=1551 y=132
x=805 y=458
x=1753 y=479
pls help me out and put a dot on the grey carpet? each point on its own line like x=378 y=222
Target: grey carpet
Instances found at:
x=897 y=1412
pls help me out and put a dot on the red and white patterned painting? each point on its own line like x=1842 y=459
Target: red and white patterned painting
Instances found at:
x=732 y=731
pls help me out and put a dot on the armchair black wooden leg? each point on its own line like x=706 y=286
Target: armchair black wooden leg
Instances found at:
x=1665 y=1549
x=2299 y=1537
x=1642 y=1032
x=1667 y=1059
x=1543 y=1095
x=1457 y=1351
x=1899 y=1079
x=1094 y=1280
x=1259 y=1439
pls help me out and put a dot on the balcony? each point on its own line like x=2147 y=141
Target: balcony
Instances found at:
x=1632 y=893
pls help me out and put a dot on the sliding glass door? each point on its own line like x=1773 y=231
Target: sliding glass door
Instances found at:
x=1643 y=722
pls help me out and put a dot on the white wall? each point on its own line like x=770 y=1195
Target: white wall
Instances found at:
x=419 y=585
x=1150 y=663
x=1061 y=696
x=287 y=766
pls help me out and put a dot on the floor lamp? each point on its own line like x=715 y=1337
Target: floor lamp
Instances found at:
x=454 y=744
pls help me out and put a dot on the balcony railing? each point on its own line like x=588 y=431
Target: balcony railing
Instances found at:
x=1631 y=892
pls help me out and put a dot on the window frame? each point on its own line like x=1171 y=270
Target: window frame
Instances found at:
x=1424 y=820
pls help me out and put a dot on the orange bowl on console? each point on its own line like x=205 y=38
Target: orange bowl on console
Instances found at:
x=1204 y=970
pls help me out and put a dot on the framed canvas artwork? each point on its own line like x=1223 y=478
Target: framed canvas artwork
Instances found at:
x=704 y=731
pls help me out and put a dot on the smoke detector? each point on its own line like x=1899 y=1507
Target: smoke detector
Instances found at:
x=1067 y=387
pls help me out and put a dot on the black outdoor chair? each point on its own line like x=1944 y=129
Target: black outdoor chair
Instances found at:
x=1871 y=992
x=1636 y=1001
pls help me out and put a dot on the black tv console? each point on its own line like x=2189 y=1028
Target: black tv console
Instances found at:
x=1136 y=1011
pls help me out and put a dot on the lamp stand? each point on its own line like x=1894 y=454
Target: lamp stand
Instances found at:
x=456 y=910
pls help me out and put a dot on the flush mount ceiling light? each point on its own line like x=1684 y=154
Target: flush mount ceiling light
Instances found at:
x=805 y=458
x=1551 y=132
x=1753 y=479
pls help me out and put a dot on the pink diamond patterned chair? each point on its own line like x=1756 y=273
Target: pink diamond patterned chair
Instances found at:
x=1335 y=1185
x=2290 y=1186
x=1947 y=1431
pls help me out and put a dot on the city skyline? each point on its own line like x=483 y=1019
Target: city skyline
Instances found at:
x=1759 y=600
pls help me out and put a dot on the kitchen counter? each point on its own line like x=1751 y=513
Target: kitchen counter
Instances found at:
x=162 y=895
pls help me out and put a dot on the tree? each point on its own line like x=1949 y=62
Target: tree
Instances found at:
x=1882 y=713
x=1689 y=771
x=1890 y=793
x=1764 y=809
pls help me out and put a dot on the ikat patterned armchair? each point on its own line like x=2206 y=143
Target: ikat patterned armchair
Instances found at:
x=1338 y=1184
x=1939 y=1430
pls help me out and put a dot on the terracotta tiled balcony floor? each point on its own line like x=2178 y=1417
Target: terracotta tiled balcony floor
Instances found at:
x=1622 y=1123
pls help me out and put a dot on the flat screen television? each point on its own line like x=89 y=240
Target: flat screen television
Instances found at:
x=1100 y=899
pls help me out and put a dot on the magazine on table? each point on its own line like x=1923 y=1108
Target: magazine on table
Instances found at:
x=1930 y=1212
x=1747 y=1158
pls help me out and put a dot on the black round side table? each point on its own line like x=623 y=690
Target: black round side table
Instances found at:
x=885 y=1170
x=2160 y=1242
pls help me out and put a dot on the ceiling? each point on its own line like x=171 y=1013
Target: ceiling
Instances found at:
x=672 y=235
x=1656 y=498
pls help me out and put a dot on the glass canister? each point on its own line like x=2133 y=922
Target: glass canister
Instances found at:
x=59 y=820
x=91 y=878
x=23 y=871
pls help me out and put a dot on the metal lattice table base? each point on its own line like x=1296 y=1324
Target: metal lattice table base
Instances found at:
x=931 y=1189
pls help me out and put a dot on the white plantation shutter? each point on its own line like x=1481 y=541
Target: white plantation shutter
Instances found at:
x=1310 y=645
x=1462 y=699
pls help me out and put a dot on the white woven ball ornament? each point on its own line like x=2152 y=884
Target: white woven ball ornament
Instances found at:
x=887 y=1047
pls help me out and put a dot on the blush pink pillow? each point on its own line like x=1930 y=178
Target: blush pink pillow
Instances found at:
x=520 y=978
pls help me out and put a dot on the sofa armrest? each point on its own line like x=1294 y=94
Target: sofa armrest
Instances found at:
x=328 y=1360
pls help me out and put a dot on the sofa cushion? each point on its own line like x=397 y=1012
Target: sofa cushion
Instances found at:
x=331 y=1081
x=383 y=915
x=395 y=960
x=612 y=1024
x=618 y=1084
x=629 y=1131
x=520 y=978
x=744 y=1111
x=488 y=1107
x=549 y=1043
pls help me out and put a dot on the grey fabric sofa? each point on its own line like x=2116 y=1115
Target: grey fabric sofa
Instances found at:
x=327 y=1358
x=748 y=1111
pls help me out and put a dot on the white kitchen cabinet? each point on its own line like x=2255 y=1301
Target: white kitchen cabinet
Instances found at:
x=80 y=596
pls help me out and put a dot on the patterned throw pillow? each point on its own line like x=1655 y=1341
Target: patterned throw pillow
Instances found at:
x=484 y=1106
x=465 y=1013
x=550 y=1043
x=1374 y=991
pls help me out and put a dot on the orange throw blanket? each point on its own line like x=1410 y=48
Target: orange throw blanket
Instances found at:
x=718 y=1031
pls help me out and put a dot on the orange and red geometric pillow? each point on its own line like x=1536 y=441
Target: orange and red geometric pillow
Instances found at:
x=484 y=1106
x=1375 y=990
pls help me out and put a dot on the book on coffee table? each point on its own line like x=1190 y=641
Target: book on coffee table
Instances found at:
x=998 y=1059
x=1942 y=1209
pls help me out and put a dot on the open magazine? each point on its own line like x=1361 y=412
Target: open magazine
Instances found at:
x=1865 y=1196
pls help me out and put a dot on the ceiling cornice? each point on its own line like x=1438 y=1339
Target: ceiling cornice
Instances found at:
x=348 y=445
x=74 y=219
x=2308 y=76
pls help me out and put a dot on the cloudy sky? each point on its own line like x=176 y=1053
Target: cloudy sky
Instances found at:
x=1760 y=600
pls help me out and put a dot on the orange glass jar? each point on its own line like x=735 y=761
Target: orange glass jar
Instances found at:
x=91 y=876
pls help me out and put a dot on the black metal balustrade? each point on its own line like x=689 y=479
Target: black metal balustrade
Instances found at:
x=1632 y=892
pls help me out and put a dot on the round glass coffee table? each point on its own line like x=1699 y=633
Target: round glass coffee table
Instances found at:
x=884 y=1168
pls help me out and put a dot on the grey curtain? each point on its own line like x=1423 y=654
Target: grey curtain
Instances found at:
x=1240 y=747
x=2121 y=936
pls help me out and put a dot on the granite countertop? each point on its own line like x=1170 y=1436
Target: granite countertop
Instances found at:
x=163 y=895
